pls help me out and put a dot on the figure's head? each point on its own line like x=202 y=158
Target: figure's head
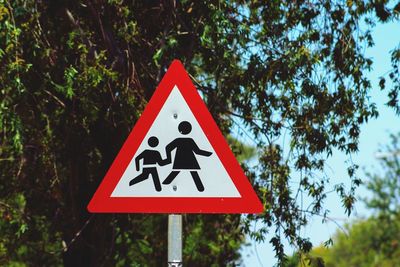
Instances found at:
x=185 y=127
x=153 y=141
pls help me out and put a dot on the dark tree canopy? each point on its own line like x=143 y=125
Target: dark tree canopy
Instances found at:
x=76 y=75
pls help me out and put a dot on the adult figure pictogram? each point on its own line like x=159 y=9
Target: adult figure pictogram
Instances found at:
x=186 y=150
x=150 y=159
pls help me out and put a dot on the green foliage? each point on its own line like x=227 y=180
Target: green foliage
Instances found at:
x=374 y=241
x=316 y=258
x=394 y=75
x=243 y=151
x=76 y=75
x=365 y=243
x=385 y=187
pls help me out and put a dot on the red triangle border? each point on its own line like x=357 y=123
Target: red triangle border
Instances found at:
x=102 y=202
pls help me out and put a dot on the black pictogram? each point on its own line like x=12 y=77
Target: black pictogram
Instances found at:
x=150 y=158
x=185 y=156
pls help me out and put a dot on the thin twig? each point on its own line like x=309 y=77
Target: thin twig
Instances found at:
x=67 y=246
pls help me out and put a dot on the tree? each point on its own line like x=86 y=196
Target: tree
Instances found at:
x=369 y=242
x=77 y=74
x=373 y=241
x=385 y=188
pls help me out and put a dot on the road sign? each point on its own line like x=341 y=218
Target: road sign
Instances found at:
x=175 y=160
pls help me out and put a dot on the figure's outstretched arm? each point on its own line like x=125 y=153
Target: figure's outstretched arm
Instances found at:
x=199 y=151
x=203 y=153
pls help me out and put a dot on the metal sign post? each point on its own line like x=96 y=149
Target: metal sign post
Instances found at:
x=174 y=240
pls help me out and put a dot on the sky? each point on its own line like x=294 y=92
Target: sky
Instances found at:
x=373 y=134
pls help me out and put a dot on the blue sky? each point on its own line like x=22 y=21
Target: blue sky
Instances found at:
x=373 y=134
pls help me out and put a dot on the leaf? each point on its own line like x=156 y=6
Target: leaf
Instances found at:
x=382 y=83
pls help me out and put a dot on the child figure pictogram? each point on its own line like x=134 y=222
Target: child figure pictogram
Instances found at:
x=186 y=150
x=150 y=159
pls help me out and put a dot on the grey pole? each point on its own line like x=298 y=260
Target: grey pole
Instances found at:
x=174 y=240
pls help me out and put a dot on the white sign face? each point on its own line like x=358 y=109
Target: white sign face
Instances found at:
x=175 y=159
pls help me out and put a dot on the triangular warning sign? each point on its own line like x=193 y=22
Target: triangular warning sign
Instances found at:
x=175 y=160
